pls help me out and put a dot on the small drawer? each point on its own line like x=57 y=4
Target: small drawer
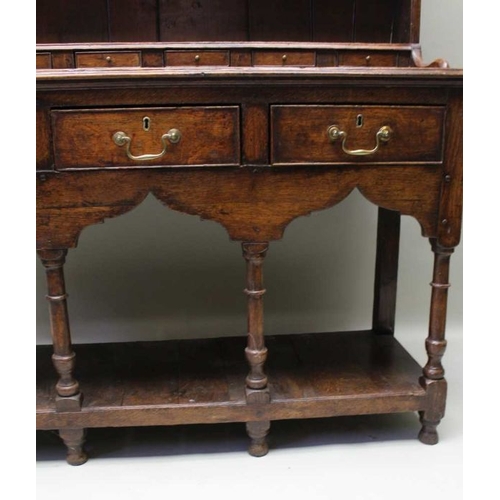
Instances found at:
x=345 y=134
x=197 y=58
x=107 y=59
x=145 y=137
x=43 y=60
x=367 y=58
x=283 y=58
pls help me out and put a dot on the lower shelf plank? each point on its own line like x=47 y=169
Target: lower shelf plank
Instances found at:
x=203 y=381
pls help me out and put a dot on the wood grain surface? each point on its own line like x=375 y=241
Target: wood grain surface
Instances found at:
x=253 y=87
x=299 y=134
x=180 y=382
x=179 y=20
x=252 y=204
x=84 y=138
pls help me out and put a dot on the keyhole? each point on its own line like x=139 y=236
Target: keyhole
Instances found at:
x=146 y=123
x=359 y=121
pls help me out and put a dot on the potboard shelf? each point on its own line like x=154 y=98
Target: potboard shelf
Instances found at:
x=203 y=381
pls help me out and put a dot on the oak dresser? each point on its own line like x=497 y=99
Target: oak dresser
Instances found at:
x=249 y=113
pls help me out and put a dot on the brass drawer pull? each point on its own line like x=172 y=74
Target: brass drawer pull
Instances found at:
x=383 y=135
x=173 y=136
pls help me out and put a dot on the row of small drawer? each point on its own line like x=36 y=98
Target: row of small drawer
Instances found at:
x=114 y=59
x=210 y=136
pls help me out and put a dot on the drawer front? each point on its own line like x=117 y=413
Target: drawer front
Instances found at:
x=346 y=134
x=368 y=58
x=197 y=58
x=43 y=61
x=107 y=59
x=91 y=139
x=283 y=58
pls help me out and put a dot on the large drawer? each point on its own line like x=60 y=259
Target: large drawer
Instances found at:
x=139 y=137
x=305 y=134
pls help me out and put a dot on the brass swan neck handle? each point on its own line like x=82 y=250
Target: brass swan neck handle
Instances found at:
x=121 y=139
x=335 y=133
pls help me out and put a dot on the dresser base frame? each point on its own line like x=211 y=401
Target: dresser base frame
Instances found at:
x=202 y=381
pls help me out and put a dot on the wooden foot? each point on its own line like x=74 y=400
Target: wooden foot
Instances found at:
x=436 y=403
x=73 y=439
x=428 y=434
x=258 y=431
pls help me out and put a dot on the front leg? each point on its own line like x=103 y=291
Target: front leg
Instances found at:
x=69 y=397
x=257 y=391
x=433 y=373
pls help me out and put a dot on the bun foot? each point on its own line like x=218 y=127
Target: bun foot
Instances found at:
x=257 y=431
x=258 y=448
x=428 y=434
x=73 y=439
x=75 y=457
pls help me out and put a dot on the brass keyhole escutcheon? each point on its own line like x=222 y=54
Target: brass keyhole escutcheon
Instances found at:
x=146 y=123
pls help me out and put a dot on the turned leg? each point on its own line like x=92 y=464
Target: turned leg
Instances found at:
x=256 y=352
x=433 y=373
x=68 y=396
x=386 y=271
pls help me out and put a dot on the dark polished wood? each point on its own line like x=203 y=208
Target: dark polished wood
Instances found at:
x=197 y=144
x=147 y=383
x=74 y=439
x=251 y=91
x=197 y=58
x=63 y=356
x=132 y=20
x=257 y=391
x=384 y=21
x=59 y=21
x=433 y=373
x=205 y=20
x=107 y=59
x=68 y=397
x=300 y=134
x=240 y=54
x=237 y=198
x=386 y=271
